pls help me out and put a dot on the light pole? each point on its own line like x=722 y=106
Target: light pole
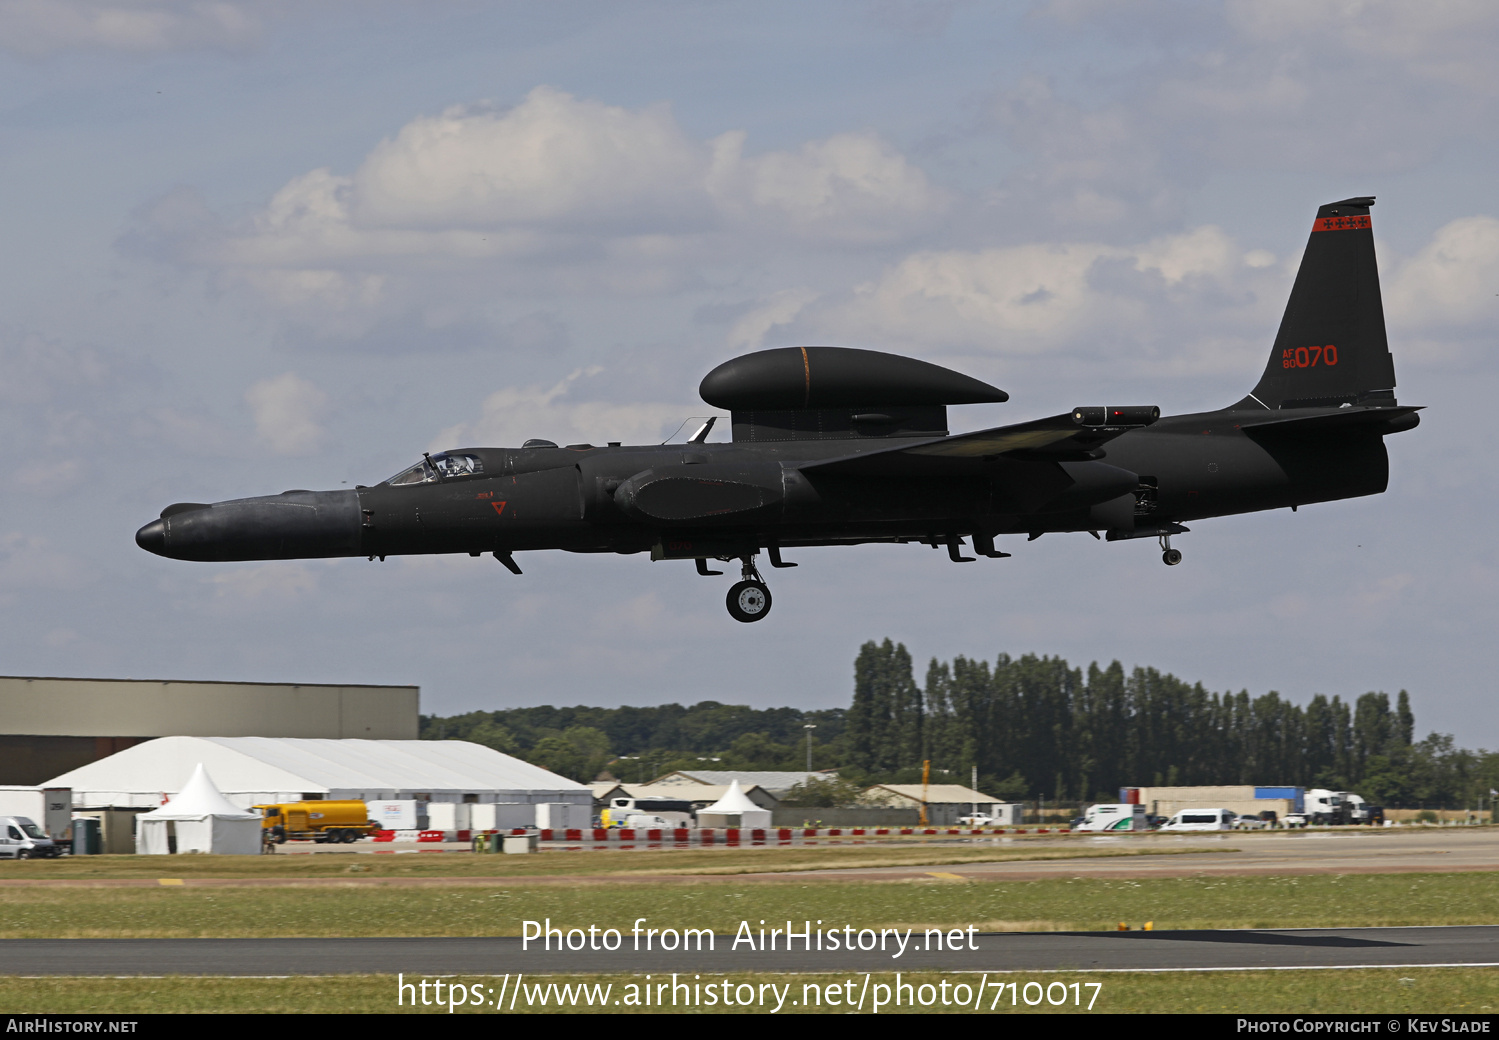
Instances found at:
x=809 y=727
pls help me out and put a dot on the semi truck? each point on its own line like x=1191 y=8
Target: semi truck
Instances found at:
x=1340 y=807
x=325 y=822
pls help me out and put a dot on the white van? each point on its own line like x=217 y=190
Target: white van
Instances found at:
x=20 y=838
x=1114 y=817
x=1201 y=820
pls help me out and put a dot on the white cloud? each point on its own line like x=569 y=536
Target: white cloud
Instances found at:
x=852 y=187
x=553 y=159
x=39 y=27
x=1071 y=298
x=556 y=193
x=1357 y=88
x=286 y=411
x=514 y=415
x=1449 y=40
x=750 y=330
x=1452 y=281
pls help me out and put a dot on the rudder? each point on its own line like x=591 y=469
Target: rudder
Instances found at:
x=1331 y=348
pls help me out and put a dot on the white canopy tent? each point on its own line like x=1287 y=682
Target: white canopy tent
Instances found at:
x=734 y=809
x=203 y=821
x=262 y=770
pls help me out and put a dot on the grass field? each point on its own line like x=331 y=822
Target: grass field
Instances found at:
x=1365 y=991
x=1059 y=904
x=330 y=895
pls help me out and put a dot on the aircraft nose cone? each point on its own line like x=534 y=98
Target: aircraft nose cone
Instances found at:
x=153 y=537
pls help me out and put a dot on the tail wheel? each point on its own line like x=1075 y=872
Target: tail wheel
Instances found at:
x=748 y=601
x=1171 y=557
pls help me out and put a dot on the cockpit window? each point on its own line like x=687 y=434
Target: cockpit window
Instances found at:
x=444 y=463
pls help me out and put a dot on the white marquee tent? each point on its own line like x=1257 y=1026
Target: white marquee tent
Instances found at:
x=257 y=770
x=734 y=809
x=203 y=821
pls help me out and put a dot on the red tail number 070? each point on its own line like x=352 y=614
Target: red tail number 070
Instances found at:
x=1307 y=357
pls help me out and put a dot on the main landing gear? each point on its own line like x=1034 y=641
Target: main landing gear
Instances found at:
x=1169 y=556
x=749 y=597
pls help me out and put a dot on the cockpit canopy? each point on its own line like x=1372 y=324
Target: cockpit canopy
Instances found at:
x=441 y=466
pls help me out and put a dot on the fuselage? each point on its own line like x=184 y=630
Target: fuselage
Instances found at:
x=725 y=500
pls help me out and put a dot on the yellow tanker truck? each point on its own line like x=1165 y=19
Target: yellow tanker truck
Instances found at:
x=323 y=822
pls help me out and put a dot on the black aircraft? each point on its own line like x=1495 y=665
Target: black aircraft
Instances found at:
x=838 y=446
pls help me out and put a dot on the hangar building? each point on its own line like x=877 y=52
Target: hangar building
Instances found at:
x=51 y=726
x=255 y=770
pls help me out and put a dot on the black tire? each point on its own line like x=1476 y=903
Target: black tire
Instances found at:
x=278 y=834
x=23 y=854
x=748 y=601
x=1171 y=557
x=350 y=837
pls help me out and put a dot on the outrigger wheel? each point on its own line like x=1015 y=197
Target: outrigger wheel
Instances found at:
x=749 y=598
x=1169 y=556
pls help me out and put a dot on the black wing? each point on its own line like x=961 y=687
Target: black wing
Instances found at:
x=1072 y=437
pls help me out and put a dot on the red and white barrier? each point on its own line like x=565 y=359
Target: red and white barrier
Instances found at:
x=688 y=837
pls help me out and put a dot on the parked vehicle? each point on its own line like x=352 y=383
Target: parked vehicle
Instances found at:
x=1113 y=816
x=1250 y=822
x=325 y=822
x=1294 y=821
x=1340 y=807
x=672 y=812
x=50 y=808
x=21 y=838
x=978 y=820
x=1201 y=820
x=650 y=822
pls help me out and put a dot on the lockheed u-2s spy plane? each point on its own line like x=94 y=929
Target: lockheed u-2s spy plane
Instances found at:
x=837 y=446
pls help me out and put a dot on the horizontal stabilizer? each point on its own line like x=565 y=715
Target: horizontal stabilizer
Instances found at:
x=1382 y=420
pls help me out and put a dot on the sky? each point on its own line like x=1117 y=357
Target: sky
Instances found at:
x=258 y=246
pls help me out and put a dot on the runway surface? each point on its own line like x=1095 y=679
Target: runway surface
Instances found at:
x=1008 y=951
x=1353 y=851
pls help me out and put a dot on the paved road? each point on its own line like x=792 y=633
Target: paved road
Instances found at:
x=1440 y=849
x=1010 y=951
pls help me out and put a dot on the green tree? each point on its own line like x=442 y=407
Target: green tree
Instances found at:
x=578 y=753
x=885 y=719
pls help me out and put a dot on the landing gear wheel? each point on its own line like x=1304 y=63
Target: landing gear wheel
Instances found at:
x=1171 y=557
x=748 y=600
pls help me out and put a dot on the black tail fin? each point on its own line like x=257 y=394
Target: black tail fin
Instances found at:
x=1331 y=348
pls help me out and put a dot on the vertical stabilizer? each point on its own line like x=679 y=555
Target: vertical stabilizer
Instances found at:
x=1331 y=348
